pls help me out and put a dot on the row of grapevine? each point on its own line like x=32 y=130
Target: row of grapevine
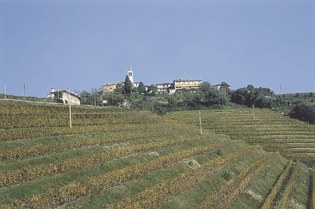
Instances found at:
x=70 y=164
x=16 y=134
x=307 y=158
x=40 y=149
x=21 y=120
x=287 y=193
x=236 y=117
x=284 y=142
x=271 y=136
x=95 y=185
x=154 y=196
x=258 y=127
x=269 y=201
x=312 y=182
x=9 y=107
x=224 y=196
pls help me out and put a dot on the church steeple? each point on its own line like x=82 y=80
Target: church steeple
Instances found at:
x=130 y=74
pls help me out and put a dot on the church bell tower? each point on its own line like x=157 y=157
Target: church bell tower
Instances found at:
x=130 y=74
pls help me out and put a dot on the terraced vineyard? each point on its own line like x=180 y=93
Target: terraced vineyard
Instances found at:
x=292 y=138
x=116 y=158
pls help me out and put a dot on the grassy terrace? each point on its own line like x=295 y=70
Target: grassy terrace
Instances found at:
x=292 y=138
x=116 y=158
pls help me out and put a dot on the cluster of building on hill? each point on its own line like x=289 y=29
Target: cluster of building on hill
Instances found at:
x=68 y=97
x=167 y=88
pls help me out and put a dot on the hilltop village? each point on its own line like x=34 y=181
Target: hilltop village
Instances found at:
x=168 y=87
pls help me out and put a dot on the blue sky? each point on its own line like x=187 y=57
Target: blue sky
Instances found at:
x=83 y=44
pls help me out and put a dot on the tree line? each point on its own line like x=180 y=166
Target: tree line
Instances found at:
x=147 y=97
x=304 y=112
x=208 y=96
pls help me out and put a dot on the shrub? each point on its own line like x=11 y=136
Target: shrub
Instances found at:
x=304 y=112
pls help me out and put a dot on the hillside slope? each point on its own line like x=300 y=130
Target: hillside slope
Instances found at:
x=114 y=158
x=292 y=138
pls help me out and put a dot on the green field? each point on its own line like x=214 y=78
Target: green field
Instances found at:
x=118 y=158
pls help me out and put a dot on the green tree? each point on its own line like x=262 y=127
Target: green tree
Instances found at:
x=250 y=87
x=127 y=88
x=93 y=97
x=262 y=101
x=304 y=112
x=114 y=98
x=225 y=87
x=260 y=97
x=188 y=99
x=215 y=97
x=152 y=90
x=172 y=101
x=205 y=87
x=85 y=97
x=239 y=96
x=141 y=88
x=119 y=88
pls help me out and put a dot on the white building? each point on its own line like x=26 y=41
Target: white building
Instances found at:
x=66 y=97
x=130 y=75
x=164 y=87
x=181 y=84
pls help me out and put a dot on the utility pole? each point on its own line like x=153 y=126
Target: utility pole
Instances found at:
x=24 y=91
x=253 y=112
x=5 y=91
x=70 y=119
x=94 y=97
x=200 y=122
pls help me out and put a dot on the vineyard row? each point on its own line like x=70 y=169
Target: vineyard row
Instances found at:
x=30 y=133
x=269 y=201
x=94 y=185
x=70 y=164
x=154 y=196
x=24 y=152
x=223 y=197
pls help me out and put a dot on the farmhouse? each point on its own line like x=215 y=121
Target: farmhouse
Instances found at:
x=66 y=97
